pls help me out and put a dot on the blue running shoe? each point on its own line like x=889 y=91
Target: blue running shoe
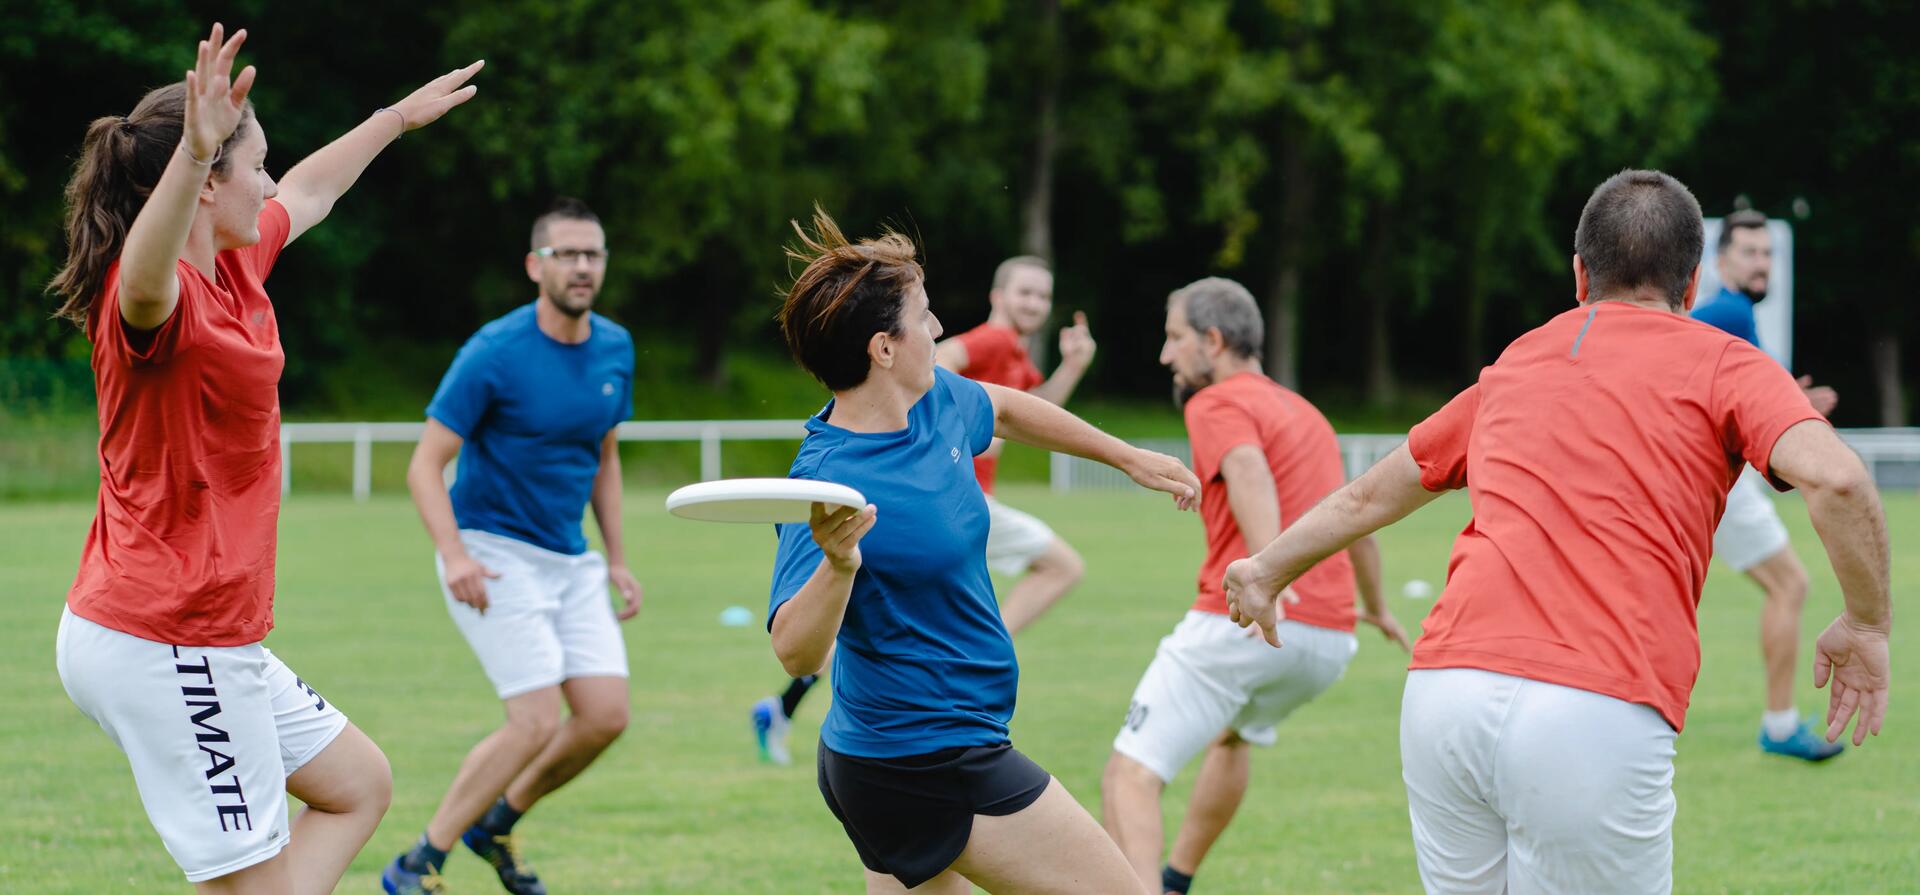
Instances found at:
x=1803 y=744
x=503 y=852
x=770 y=727
x=398 y=880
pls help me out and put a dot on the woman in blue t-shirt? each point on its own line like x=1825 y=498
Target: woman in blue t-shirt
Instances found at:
x=914 y=756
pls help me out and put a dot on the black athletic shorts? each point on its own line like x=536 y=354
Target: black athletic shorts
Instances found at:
x=910 y=817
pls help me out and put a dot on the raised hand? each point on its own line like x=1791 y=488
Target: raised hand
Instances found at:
x=839 y=532
x=1163 y=473
x=1853 y=658
x=425 y=105
x=215 y=99
x=1823 y=397
x=1076 y=342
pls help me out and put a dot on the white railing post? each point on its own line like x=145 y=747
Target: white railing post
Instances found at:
x=709 y=453
x=362 y=463
x=1059 y=472
x=286 y=462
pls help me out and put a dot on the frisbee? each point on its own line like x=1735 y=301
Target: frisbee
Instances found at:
x=759 y=500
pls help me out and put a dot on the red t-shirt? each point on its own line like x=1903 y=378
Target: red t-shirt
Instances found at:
x=1304 y=456
x=995 y=355
x=182 y=545
x=1597 y=452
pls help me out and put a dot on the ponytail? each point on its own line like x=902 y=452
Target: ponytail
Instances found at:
x=121 y=161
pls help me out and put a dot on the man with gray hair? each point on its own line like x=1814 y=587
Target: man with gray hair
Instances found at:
x=1264 y=456
x=1552 y=677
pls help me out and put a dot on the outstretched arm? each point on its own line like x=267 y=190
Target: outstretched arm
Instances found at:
x=310 y=189
x=1021 y=417
x=1845 y=509
x=1383 y=495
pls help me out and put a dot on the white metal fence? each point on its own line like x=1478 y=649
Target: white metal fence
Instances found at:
x=1891 y=455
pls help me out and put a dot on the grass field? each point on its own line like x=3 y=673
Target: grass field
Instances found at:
x=679 y=805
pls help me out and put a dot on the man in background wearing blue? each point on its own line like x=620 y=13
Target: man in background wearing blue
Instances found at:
x=530 y=406
x=1751 y=537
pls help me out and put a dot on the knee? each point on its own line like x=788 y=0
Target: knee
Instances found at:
x=1125 y=775
x=603 y=725
x=1065 y=562
x=376 y=793
x=1789 y=588
x=534 y=729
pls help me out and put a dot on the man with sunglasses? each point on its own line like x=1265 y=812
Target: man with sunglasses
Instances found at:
x=530 y=406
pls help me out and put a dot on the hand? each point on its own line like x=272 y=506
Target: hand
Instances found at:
x=425 y=105
x=1163 y=473
x=1252 y=599
x=629 y=588
x=838 y=533
x=1854 y=658
x=467 y=581
x=1388 y=626
x=1823 y=398
x=1076 y=342
x=215 y=99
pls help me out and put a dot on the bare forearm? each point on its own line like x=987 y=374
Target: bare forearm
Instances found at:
x=428 y=485
x=1365 y=554
x=1853 y=528
x=1031 y=420
x=1383 y=495
x=606 y=508
x=159 y=233
x=1059 y=387
x=804 y=627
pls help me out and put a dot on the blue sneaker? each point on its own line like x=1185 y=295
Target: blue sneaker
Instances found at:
x=770 y=727
x=398 y=880
x=1803 y=744
x=503 y=852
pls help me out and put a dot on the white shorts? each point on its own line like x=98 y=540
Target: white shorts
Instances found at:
x=1209 y=676
x=549 y=617
x=1523 y=787
x=1750 y=530
x=1014 y=539
x=212 y=733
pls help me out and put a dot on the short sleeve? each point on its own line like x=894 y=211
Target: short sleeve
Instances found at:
x=975 y=406
x=274 y=227
x=1755 y=401
x=460 y=403
x=794 y=561
x=984 y=352
x=1439 y=443
x=1215 y=427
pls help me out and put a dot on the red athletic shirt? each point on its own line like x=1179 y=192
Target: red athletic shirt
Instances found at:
x=1597 y=452
x=1304 y=457
x=995 y=355
x=182 y=545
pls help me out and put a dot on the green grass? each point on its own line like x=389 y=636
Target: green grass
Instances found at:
x=680 y=806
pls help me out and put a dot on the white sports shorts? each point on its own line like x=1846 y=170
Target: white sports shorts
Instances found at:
x=1209 y=676
x=1523 y=787
x=212 y=733
x=549 y=616
x=1014 y=539
x=1750 y=530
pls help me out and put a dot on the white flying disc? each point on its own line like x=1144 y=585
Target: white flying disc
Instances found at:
x=759 y=500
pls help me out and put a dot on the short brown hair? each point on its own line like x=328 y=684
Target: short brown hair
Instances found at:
x=564 y=208
x=1744 y=219
x=1640 y=228
x=1004 y=272
x=847 y=292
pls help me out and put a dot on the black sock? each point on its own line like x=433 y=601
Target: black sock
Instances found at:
x=1172 y=880
x=790 y=700
x=500 y=818
x=423 y=857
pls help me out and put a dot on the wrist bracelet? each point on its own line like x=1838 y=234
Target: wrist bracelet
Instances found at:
x=196 y=159
x=403 y=120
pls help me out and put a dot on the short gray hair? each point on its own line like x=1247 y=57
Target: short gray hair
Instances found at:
x=1222 y=304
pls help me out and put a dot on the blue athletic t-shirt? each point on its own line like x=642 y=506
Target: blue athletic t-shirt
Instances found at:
x=924 y=662
x=532 y=412
x=1731 y=312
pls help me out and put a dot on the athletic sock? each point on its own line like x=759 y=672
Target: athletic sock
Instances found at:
x=1781 y=724
x=499 y=819
x=790 y=700
x=423 y=857
x=1172 y=880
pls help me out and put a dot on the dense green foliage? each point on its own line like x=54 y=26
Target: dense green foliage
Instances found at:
x=1397 y=180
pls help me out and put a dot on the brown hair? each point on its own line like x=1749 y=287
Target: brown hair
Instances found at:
x=565 y=208
x=1745 y=218
x=1640 y=228
x=121 y=161
x=1004 y=273
x=848 y=292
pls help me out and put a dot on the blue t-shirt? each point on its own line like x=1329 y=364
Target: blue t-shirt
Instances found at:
x=924 y=662
x=1732 y=313
x=532 y=412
